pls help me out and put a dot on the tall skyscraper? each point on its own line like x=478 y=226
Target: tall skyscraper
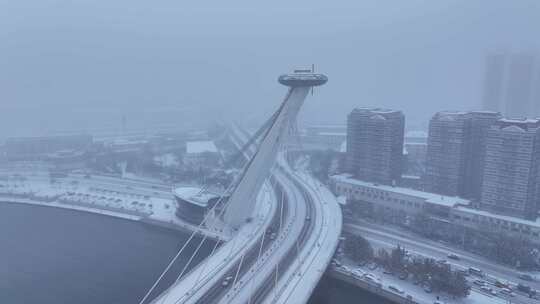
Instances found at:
x=511 y=182
x=481 y=121
x=512 y=83
x=456 y=152
x=447 y=153
x=375 y=144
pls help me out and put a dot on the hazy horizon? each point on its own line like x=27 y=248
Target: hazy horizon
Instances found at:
x=84 y=65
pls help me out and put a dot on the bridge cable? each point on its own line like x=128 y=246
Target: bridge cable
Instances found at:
x=273 y=120
x=202 y=241
x=205 y=236
x=193 y=234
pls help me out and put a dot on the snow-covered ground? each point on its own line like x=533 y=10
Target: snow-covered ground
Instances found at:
x=114 y=199
x=388 y=237
x=167 y=160
x=416 y=292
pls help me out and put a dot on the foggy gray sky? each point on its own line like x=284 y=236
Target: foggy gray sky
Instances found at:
x=83 y=64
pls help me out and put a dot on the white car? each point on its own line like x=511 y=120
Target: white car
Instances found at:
x=479 y=282
x=357 y=273
x=395 y=289
x=507 y=292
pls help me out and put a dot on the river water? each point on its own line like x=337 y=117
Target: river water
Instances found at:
x=54 y=256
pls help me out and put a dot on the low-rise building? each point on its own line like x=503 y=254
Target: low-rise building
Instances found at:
x=37 y=148
x=194 y=203
x=201 y=153
x=323 y=137
x=402 y=204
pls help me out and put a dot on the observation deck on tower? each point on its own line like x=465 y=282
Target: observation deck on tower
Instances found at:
x=302 y=78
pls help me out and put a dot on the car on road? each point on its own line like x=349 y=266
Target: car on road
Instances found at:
x=403 y=276
x=337 y=262
x=357 y=273
x=507 y=292
x=442 y=262
x=486 y=289
x=453 y=256
x=371 y=278
x=502 y=285
x=386 y=271
x=524 y=288
x=427 y=289
x=476 y=271
x=346 y=269
x=489 y=290
x=395 y=289
x=526 y=277
x=479 y=282
x=226 y=281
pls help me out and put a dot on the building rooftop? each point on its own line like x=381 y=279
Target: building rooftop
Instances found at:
x=193 y=147
x=517 y=120
x=375 y=110
x=332 y=134
x=328 y=126
x=512 y=219
x=448 y=201
x=517 y=124
x=194 y=195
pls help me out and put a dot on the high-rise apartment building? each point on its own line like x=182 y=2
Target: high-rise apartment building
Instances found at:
x=481 y=121
x=456 y=152
x=511 y=181
x=447 y=153
x=375 y=144
x=512 y=84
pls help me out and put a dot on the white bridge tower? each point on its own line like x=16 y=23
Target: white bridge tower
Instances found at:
x=242 y=201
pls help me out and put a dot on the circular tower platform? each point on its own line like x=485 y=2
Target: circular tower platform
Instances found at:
x=302 y=79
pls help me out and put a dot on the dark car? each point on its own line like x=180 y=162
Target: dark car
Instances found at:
x=525 y=277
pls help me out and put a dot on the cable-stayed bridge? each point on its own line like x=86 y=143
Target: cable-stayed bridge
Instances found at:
x=284 y=225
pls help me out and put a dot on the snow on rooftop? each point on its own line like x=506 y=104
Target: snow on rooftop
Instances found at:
x=332 y=134
x=335 y=126
x=449 y=201
x=513 y=128
x=193 y=147
x=421 y=134
x=376 y=110
x=511 y=219
x=195 y=195
x=125 y=141
x=519 y=120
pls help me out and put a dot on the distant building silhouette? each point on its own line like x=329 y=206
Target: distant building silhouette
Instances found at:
x=375 y=144
x=511 y=181
x=512 y=84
